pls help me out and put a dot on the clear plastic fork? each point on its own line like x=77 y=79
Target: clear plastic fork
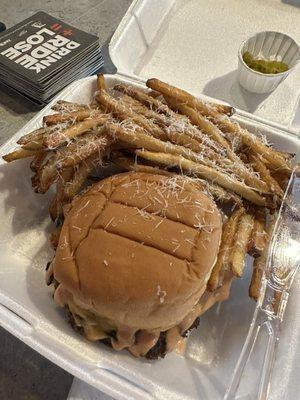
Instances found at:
x=282 y=265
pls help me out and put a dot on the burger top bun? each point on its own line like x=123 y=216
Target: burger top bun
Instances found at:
x=137 y=249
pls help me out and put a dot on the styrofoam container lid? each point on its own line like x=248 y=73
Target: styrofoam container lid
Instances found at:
x=194 y=43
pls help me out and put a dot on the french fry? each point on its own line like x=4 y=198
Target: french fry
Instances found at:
x=129 y=164
x=18 y=154
x=201 y=122
x=259 y=264
x=223 y=196
x=217 y=192
x=124 y=113
x=203 y=171
x=36 y=135
x=73 y=116
x=46 y=175
x=53 y=211
x=223 y=122
x=149 y=101
x=257 y=274
x=154 y=94
x=83 y=147
x=67 y=106
x=239 y=250
x=190 y=137
x=159 y=119
x=71 y=155
x=101 y=82
x=34 y=145
x=228 y=234
x=224 y=109
x=258 y=237
x=38 y=160
x=81 y=173
x=274 y=158
x=260 y=167
x=64 y=176
x=137 y=138
x=60 y=136
x=281 y=178
x=214 y=133
x=163 y=115
x=179 y=95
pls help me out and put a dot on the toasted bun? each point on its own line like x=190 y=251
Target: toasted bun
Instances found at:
x=137 y=249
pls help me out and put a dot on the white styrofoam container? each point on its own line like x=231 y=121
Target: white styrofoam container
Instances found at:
x=28 y=311
x=194 y=44
x=140 y=48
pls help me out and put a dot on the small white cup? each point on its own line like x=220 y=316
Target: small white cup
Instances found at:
x=269 y=46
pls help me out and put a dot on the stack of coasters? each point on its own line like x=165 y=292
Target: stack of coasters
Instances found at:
x=41 y=55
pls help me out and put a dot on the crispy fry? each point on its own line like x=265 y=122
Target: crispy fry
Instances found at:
x=58 y=137
x=67 y=106
x=159 y=119
x=228 y=234
x=83 y=147
x=73 y=116
x=257 y=274
x=179 y=95
x=81 y=173
x=45 y=176
x=258 y=237
x=101 y=82
x=223 y=122
x=34 y=145
x=201 y=122
x=217 y=192
x=69 y=156
x=239 y=250
x=151 y=102
x=259 y=265
x=203 y=171
x=281 y=178
x=136 y=137
x=224 y=109
x=53 y=211
x=252 y=142
x=63 y=178
x=154 y=94
x=124 y=113
x=38 y=160
x=187 y=137
x=223 y=196
x=36 y=135
x=18 y=154
x=214 y=133
x=260 y=167
x=129 y=164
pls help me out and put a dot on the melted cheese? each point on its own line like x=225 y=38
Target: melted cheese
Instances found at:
x=138 y=342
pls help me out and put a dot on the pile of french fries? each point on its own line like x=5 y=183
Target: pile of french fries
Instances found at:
x=165 y=130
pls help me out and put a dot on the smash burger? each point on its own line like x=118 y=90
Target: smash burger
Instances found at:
x=134 y=256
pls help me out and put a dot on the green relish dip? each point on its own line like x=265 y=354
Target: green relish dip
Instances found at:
x=264 y=66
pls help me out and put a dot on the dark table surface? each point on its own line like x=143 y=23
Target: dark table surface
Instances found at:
x=24 y=374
